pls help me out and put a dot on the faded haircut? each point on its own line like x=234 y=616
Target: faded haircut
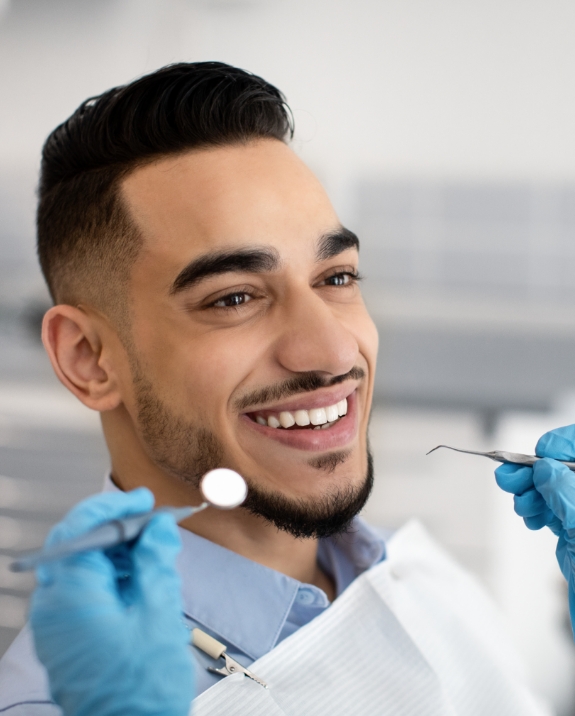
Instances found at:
x=87 y=241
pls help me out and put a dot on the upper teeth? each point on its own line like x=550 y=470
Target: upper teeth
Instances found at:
x=314 y=416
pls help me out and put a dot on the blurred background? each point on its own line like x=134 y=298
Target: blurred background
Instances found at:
x=443 y=131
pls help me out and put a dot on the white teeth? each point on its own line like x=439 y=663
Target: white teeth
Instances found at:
x=302 y=418
x=317 y=427
x=317 y=416
x=331 y=413
x=286 y=419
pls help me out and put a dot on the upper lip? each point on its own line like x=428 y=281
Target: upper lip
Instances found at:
x=320 y=398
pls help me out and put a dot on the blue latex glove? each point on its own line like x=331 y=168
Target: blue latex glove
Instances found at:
x=108 y=625
x=545 y=496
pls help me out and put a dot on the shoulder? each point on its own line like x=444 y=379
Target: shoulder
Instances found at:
x=24 y=689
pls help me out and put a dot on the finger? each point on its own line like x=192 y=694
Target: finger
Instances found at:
x=58 y=570
x=556 y=483
x=530 y=504
x=555 y=526
x=537 y=522
x=514 y=478
x=558 y=444
x=154 y=557
x=76 y=584
x=98 y=509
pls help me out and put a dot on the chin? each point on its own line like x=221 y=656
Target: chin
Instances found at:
x=327 y=509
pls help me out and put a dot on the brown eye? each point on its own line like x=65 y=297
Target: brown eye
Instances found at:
x=340 y=279
x=343 y=278
x=232 y=300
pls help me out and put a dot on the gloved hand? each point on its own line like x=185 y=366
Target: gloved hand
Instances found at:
x=545 y=496
x=108 y=625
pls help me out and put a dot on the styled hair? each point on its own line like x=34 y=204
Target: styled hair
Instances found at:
x=87 y=242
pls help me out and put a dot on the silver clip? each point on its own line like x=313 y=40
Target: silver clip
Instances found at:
x=232 y=667
x=214 y=648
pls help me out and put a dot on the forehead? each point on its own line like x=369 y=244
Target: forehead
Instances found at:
x=258 y=193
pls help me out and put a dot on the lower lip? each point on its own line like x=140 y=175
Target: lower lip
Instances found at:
x=338 y=436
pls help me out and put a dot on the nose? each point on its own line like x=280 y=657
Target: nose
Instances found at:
x=314 y=338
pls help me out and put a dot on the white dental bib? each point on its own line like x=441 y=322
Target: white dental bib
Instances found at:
x=413 y=636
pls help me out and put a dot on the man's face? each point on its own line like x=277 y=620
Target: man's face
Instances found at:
x=247 y=323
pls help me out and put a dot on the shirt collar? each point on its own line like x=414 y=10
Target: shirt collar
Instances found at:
x=245 y=603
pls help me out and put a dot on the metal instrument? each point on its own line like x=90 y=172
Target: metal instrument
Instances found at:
x=221 y=488
x=513 y=458
x=103 y=537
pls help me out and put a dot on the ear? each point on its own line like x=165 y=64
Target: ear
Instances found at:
x=74 y=341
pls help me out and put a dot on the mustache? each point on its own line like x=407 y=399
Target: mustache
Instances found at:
x=301 y=383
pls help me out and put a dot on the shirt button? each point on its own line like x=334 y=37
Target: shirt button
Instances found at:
x=305 y=596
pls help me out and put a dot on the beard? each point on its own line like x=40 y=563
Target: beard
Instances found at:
x=187 y=451
x=330 y=515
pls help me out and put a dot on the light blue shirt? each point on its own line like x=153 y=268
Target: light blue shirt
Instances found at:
x=247 y=606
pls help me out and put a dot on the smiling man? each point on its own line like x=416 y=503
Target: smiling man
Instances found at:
x=207 y=305
x=247 y=345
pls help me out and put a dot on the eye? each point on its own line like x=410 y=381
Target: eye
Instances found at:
x=342 y=278
x=232 y=300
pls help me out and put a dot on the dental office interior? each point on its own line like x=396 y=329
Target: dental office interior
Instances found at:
x=443 y=132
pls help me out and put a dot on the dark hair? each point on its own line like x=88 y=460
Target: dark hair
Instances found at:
x=86 y=239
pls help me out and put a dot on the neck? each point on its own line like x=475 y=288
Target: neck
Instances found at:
x=237 y=530
x=258 y=540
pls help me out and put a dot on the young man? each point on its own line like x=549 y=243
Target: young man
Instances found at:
x=207 y=305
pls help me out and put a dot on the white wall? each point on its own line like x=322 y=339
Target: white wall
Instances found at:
x=415 y=88
x=410 y=87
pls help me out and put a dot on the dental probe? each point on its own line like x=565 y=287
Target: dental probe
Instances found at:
x=513 y=458
x=221 y=488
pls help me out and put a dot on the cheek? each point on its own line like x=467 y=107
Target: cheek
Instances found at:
x=217 y=367
x=365 y=332
x=197 y=374
x=367 y=337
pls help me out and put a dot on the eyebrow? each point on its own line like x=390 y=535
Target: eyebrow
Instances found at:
x=336 y=242
x=256 y=260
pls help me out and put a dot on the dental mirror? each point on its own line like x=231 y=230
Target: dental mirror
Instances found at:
x=223 y=488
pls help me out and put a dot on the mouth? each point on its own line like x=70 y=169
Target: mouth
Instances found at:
x=303 y=418
x=318 y=427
